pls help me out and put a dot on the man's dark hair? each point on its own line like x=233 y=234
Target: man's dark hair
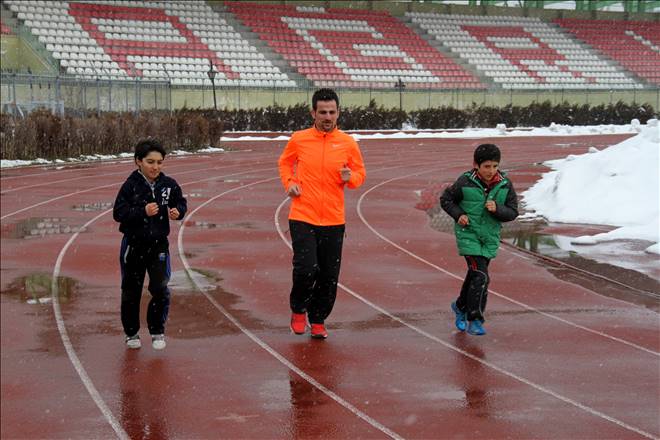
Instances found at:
x=324 y=95
x=486 y=152
x=146 y=146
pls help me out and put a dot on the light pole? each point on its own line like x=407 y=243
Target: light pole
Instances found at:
x=400 y=85
x=211 y=73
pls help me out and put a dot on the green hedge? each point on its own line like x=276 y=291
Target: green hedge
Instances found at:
x=533 y=115
x=43 y=134
x=374 y=117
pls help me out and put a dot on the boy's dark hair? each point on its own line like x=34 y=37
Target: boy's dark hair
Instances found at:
x=324 y=95
x=486 y=152
x=146 y=146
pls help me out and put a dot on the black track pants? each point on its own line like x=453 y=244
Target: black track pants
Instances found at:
x=474 y=292
x=135 y=261
x=316 y=263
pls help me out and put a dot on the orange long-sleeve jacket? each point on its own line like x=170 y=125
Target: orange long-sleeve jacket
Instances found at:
x=313 y=159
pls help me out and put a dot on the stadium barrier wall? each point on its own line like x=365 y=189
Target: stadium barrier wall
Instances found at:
x=26 y=92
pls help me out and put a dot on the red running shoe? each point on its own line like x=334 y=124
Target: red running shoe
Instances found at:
x=319 y=331
x=298 y=323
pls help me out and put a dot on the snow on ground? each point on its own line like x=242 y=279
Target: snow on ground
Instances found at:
x=469 y=133
x=473 y=133
x=617 y=186
x=86 y=158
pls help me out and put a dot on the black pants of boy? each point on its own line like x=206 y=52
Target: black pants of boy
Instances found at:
x=316 y=263
x=474 y=293
x=136 y=260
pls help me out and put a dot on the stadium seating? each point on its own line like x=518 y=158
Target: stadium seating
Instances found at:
x=177 y=41
x=633 y=44
x=523 y=52
x=165 y=41
x=351 y=48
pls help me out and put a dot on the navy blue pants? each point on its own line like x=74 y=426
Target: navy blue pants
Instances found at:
x=316 y=263
x=474 y=292
x=135 y=260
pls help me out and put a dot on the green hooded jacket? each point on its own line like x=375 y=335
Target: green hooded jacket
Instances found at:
x=468 y=195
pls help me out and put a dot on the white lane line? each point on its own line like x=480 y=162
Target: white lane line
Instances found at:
x=45 y=202
x=97 y=176
x=64 y=335
x=471 y=356
x=68 y=167
x=494 y=292
x=63 y=168
x=60 y=181
x=283 y=360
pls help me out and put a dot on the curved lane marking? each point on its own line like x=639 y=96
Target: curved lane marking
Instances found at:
x=448 y=345
x=45 y=202
x=283 y=360
x=494 y=292
x=97 y=176
x=68 y=346
x=64 y=335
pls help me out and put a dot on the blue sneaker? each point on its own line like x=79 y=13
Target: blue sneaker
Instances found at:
x=476 y=328
x=460 y=322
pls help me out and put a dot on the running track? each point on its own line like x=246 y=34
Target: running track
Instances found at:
x=559 y=361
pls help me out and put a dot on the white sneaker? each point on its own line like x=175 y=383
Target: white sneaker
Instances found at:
x=133 y=341
x=158 y=342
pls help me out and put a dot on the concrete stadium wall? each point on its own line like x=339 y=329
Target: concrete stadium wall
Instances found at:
x=410 y=100
x=129 y=97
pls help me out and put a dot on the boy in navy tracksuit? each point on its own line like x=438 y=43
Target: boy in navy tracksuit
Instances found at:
x=479 y=201
x=145 y=204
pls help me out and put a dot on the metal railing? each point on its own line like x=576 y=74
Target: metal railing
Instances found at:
x=20 y=93
x=23 y=93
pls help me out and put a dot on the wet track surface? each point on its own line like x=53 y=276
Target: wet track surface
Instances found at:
x=560 y=360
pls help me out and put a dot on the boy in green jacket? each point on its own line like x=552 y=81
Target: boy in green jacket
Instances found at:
x=479 y=201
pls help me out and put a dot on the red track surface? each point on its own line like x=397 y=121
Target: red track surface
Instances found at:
x=559 y=361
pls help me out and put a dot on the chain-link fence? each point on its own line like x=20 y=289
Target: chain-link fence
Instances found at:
x=20 y=93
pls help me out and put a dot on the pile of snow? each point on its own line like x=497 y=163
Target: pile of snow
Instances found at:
x=617 y=186
x=469 y=133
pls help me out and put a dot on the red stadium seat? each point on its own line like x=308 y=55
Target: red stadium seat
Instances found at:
x=627 y=42
x=338 y=31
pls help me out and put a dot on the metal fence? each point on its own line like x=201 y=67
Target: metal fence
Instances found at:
x=21 y=93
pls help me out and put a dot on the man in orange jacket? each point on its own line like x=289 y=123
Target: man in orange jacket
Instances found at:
x=316 y=165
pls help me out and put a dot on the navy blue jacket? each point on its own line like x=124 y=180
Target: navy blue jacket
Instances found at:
x=134 y=195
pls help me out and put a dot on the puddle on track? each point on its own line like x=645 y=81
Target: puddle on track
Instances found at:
x=98 y=206
x=636 y=286
x=39 y=227
x=36 y=288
